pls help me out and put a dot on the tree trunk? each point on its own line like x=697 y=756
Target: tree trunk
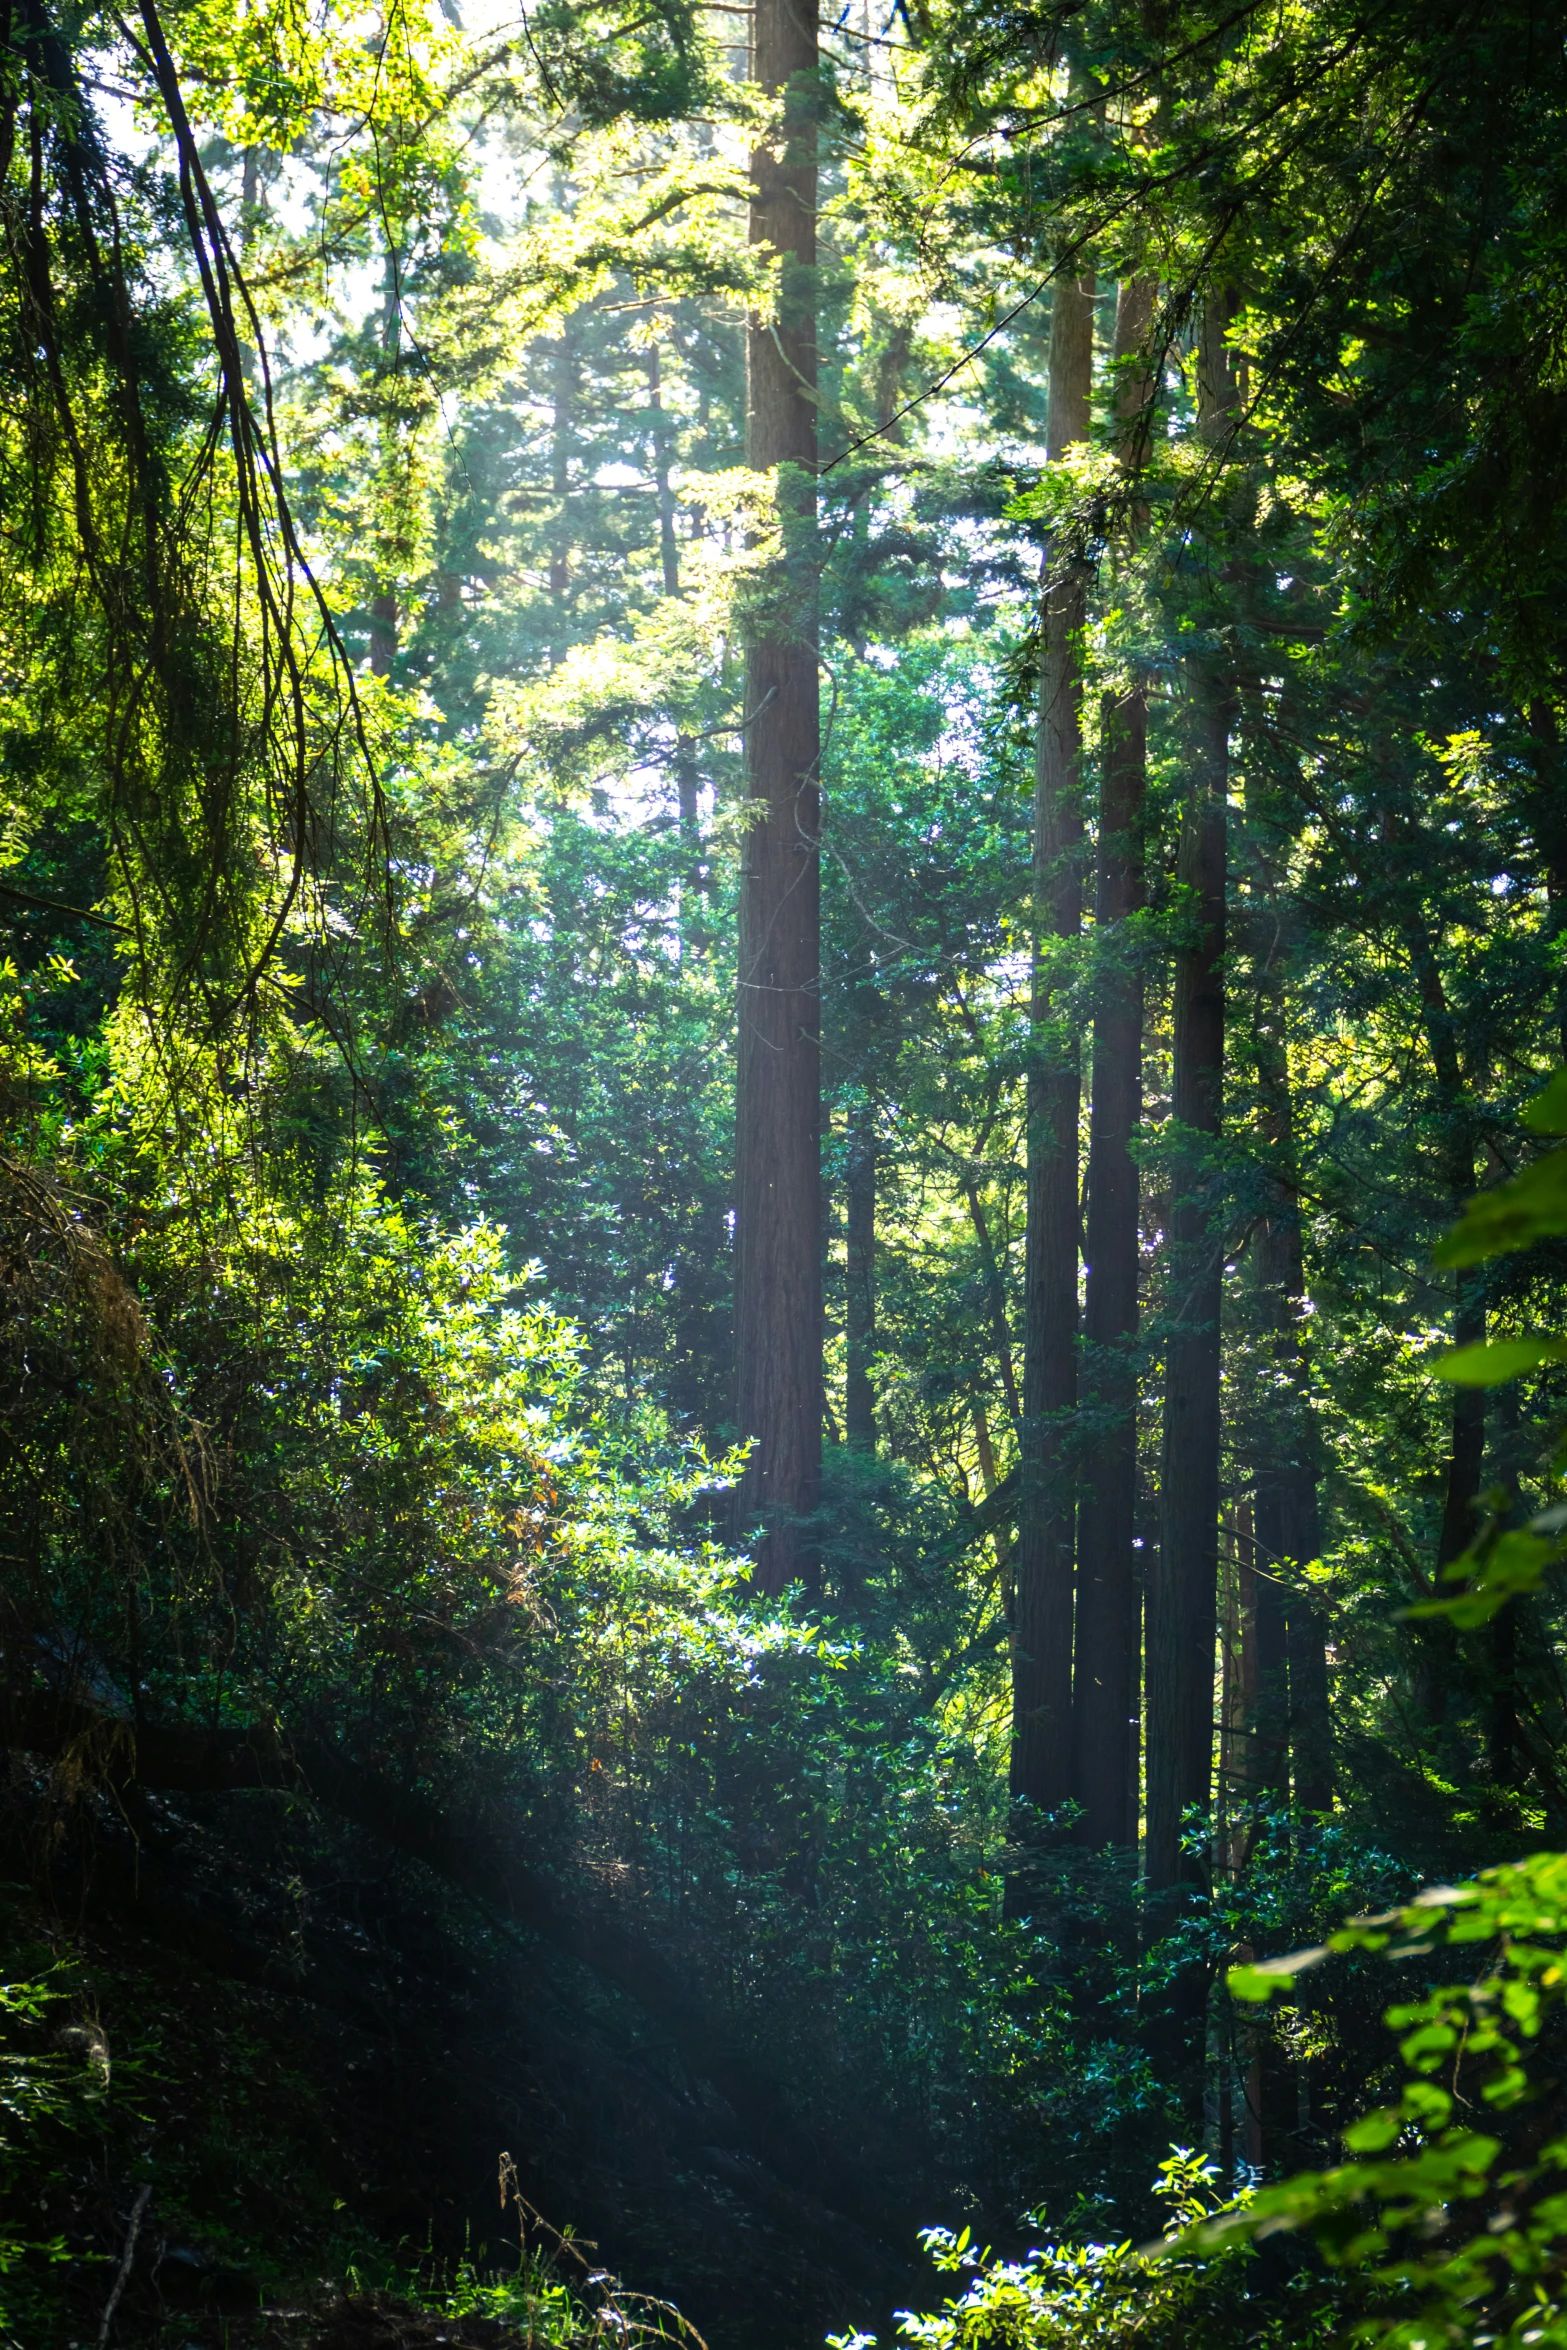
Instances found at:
x=668 y=549
x=1105 y=1691
x=562 y=433
x=1466 y=1452
x=383 y=632
x=1182 y=1617
x=859 y=1401
x=687 y=778
x=1042 y=1648
x=778 y=1221
x=1293 y=1725
x=1501 y=1728
x=383 y=599
x=1106 y=1678
x=1550 y=840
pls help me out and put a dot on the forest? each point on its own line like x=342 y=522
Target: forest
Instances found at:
x=783 y=1201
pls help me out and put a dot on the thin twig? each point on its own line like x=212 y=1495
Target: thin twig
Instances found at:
x=138 y=2213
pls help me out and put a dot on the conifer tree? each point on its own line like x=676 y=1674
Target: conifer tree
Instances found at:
x=1182 y=1614
x=1106 y=1686
x=1042 y=1659
x=778 y=1214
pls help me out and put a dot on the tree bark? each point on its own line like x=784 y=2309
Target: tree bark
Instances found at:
x=1182 y=1602
x=778 y=1218
x=668 y=548
x=383 y=632
x=1105 y=1686
x=562 y=428
x=1501 y=1728
x=1293 y=1726
x=859 y=1401
x=1550 y=838
x=1182 y=1623
x=383 y=598
x=687 y=779
x=1042 y=1648
x=1104 y=1698
x=1466 y=1452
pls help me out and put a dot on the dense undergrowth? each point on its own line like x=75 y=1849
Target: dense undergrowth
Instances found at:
x=340 y=1581
x=373 y=1697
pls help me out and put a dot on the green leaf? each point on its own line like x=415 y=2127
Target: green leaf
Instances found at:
x=1533 y=1206
x=1259 y=1982
x=1547 y=1113
x=1374 y=2131
x=1515 y=1563
x=1494 y=1364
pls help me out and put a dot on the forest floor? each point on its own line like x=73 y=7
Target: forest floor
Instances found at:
x=319 y=2057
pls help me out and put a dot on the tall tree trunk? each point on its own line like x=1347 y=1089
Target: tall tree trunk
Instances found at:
x=1181 y=1615
x=778 y=1217
x=1042 y=1645
x=1550 y=839
x=562 y=437
x=1105 y=1688
x=1292 y=1655
x=1182 y=1618
x=1293 y=1727
x=1501 y=1729
x=859 y=1402
x=687 y=779
x=1435 y=1647
x=1466 y=1452
x=383 y=632
x=668 y=548
x=383 y=599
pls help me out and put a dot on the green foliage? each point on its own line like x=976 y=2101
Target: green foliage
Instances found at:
x=1451 y=2204
x=1081 y=2291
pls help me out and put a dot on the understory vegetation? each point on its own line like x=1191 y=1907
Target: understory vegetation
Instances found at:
x=783 y=990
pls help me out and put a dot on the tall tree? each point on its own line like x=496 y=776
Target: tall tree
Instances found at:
x=562 y=448
x=778 y=1215
x=1108 y=1627
x=1042 y=1656
x=859 y=1400
x=1291 y=1725
x=1182 y=1620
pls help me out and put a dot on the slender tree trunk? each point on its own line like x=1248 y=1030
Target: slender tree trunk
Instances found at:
x=1501 y=1739
x=1042 y=1647
x=995 y=1296
x=1550 y=838
x=1105 y=1691
x=1247 y=1599
x=1181 y=1620
x=1270 y=1725
x=687 y=779
x=668 y=548
x=383 y=632
x=383 y=600
x=859 y=1401
x=1293 y=1721
x=1434 y=1647
x=1466 y=1453
x=562 y=436
x=778 y=1219
x=1293 y=1653
x=1106 y=1677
